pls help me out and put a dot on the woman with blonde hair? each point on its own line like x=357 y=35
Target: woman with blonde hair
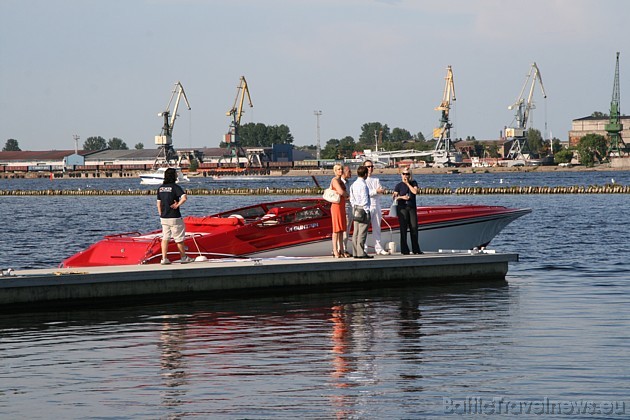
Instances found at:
x=338 y=213
x=405 y=196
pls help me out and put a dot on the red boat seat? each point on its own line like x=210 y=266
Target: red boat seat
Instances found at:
x=213 y=221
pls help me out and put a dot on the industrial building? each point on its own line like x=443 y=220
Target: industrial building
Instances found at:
x=595 y=125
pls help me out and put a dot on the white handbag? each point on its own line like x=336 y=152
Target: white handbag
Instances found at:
x=331 y=196
x=393 y=209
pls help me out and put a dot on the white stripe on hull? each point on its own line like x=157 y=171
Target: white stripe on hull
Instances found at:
x=465 y=234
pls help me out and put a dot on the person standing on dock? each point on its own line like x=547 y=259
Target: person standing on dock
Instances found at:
x=405 y=196
x=347 y=174
x=338 y=213
x=375 y=187
x=360 y=199
x=170 y=197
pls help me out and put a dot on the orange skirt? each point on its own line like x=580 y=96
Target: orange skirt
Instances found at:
x=338 y=214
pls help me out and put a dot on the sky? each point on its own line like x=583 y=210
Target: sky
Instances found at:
x=107 y=68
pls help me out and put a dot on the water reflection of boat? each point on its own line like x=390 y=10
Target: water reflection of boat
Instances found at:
x=295 y=228
x=157 y=177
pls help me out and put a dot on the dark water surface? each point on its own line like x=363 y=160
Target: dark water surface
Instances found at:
x=554 y=336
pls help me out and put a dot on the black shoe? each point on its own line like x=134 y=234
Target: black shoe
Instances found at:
x=419 y=252
x=405 y=253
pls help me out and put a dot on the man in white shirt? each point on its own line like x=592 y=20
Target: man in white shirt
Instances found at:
x=345 y=177
x=360 y=199
x=375 y=187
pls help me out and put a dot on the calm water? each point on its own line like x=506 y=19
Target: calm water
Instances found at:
x=557 y=331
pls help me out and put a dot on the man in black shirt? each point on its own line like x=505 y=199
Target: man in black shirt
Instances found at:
x=170 y=198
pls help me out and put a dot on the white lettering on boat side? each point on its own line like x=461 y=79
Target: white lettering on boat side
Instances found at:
x=301 y=227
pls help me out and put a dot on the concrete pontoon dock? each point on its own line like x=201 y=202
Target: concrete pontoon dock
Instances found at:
x=82 y=286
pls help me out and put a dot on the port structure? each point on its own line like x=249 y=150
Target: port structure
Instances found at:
x=616 y=145
x=523 y=106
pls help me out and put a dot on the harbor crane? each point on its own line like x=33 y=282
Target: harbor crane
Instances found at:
x=444 y=152
x=443 y=132
x=523 y=106
x=236 y=112
x=166 y=153
x=614 y=126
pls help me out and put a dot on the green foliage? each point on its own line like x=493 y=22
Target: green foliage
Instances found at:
x=367 y=138
x=261 y=135
x=139 y=146
x=597 y=114
x=11 y=146
x=95 y=143
x=339 y=149
x=400 y=135
x=477 y=149
x=346 y=147
x=279 y=134
x=331 y=150
x=563 y=156
x=493 y=150
x=534 y=141
x=557 y=145
x=592 y=148
x=117 y=144
x=422 y=145
x=194 y=165
x=392 y=145
x=420 y=136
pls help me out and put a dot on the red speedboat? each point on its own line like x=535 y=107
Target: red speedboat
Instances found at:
x=295 y=228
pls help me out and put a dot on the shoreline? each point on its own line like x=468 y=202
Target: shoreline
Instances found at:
x=468 y=170
x=325 y=172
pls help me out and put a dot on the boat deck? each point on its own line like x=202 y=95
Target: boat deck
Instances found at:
x=83 y=286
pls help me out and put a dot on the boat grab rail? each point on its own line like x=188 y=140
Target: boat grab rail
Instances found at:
x=391 y=230
x=120 y=235
x=192 y=236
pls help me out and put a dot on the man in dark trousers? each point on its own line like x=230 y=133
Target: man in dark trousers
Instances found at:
x=360 y=199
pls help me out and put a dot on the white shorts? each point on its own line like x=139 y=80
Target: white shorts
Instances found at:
x=173 y=228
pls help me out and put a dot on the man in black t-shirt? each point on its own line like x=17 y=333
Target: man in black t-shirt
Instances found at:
x=170 y=198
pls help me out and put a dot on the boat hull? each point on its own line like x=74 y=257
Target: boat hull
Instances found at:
x=157 y=177
x=295 y=228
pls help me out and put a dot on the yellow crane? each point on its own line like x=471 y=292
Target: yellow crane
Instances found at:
x=448 y=97
x=444 y=153
x=236 y=112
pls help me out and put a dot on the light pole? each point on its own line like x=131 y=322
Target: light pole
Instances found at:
x=319 y=147
x=76 y=144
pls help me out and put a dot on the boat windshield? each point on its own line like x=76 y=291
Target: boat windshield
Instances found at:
x=259 y=211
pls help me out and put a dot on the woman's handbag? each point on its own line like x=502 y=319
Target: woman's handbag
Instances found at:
x=331 y=196
x=393 y=209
